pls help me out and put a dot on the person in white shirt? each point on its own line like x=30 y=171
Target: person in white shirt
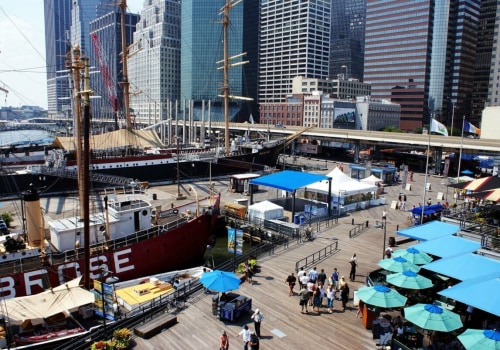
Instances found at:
x=245 y=334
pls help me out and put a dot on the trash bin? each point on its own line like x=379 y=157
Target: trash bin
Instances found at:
x=214 y=305
x=392 y=242
x=155 y=197
x=302 y=220
x=296 y=219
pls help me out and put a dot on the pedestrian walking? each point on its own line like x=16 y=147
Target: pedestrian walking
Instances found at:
x=224 y=341
x=248 y=272
x=303 y=299
x=245 y=334
x=388 y=252
x=322 y=277
x=316 y=300
x=330 y=297
x=303 y=280
x=384 y=218
x=313 y=274
x=344 y=295
x=335 y=278
x=254 y=341
x=353 y=262
x=291 y=279
x=257 y=319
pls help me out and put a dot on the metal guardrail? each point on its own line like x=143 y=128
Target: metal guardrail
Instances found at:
x=317 y=256
x=358 y=229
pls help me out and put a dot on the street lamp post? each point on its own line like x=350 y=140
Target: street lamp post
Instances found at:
x=452 y=117
x=383 y=242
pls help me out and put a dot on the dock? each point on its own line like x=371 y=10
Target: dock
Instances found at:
x=284 y=326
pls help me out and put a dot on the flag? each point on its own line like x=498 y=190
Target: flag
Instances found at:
x=468 y=127
x=438 y=128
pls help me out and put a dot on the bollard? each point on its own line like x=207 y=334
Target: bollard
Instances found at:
x=397 y=227
x=367 y=223
x=353 y=221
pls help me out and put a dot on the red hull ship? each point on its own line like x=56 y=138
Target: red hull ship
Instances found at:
x=130 y=240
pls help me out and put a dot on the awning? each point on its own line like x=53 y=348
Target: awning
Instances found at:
x=428 y=231
x=288 y=180
x=464 y=267
x=481 y=293
x=65 y=298
x=448 y=246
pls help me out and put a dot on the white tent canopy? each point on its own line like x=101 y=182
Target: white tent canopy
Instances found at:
x=264 y=210
x=341 y=183
x=64 y=298
x=372 y=179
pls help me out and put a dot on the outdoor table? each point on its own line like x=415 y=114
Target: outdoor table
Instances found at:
x=233 y=309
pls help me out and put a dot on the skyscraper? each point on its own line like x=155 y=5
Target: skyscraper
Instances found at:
x=420 y=54
x=494 y=90
x=202 y=51
x=105 y=55
x=154 y=63
x=347 y=38
x=66 y=25
x=294 y=41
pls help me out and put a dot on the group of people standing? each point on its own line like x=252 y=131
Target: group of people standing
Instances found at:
x=251 y=339
x=315 y=286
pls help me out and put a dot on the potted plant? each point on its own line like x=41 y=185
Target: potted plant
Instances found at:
x=103 y=345
x=121 y=338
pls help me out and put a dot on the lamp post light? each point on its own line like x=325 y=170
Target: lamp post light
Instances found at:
x=383 y=242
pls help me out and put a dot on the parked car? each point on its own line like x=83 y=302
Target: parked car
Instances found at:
x=3 y=228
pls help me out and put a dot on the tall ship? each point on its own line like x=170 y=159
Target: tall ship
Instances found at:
x=124 y=236
x=128 y=153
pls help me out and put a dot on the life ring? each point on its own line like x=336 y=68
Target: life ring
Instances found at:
x=175 y=211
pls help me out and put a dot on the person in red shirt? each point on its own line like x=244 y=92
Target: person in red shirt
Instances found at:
x=224 y=341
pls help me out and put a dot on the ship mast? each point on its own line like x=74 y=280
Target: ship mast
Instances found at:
x=125 y=83
x=225 y=66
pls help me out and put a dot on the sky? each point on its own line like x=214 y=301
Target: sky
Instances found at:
x=22 y=51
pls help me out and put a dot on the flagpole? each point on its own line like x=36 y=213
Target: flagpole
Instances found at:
x=426 y=171
x=461 y=147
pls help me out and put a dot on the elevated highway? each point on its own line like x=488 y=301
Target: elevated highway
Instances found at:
x=378 y=138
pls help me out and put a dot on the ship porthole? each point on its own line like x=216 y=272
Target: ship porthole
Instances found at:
x=102 y=228
x=4 y=256
x=23 y=253
x=144 y=212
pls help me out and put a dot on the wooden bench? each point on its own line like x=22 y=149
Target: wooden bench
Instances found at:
x=153 y=327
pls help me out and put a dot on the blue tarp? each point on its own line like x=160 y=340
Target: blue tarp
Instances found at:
x=464 y=267
x=288 y=180
x=429 y=230
x=481 y=293
x=428 y=209
x=448 y=246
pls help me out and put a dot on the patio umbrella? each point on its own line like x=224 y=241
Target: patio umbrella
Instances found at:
x=220 y=281
x=381 y=296
x=398 y=264
x=409 y=280
x=480 y=339
x=433 y=317
x=467 y=172
x=414 y=256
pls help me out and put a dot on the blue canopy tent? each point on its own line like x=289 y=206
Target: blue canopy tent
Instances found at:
x=429 y=230
x=448 y=246
x=427 y=209
x=477 y=292
x=464 y=267
x=290 y=181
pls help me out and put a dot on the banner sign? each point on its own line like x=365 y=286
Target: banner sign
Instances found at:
x=105 y=300
x=234 y=241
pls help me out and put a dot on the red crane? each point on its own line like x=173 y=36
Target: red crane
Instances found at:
x=107 y=77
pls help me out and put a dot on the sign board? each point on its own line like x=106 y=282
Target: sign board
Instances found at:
x=394 y=204
x=408 y=187
x=428 y=186
x=440 y=196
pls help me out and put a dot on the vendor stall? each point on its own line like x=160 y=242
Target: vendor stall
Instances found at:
x=236 y=306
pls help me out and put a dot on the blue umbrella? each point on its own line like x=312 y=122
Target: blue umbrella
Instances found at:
x=381 y=296
x=220 y=281
x=414 y=256
x=398 y=264
x=409 y=280
x=480 y=339
x=433 y=317
x=467 y=172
